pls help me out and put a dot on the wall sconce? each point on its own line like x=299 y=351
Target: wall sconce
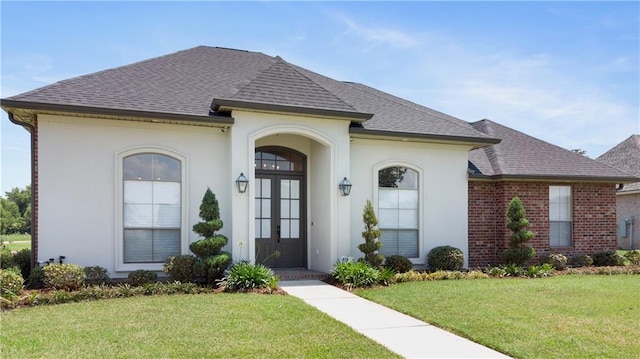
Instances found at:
x=242 y=183
x=345 y=187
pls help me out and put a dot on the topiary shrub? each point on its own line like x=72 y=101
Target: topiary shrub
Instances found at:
x=63 y=276
x=244 y=276
x=212 y=261
x=141 y=277
x=580 y=260
x=557 y=260
x=95 y=275
x=633 y=257
x=398 y=263
x=445 y=258
x=181 y=268
x=371 y=235
x=519 y=251
x=608 y=258
x=11 y=283
x=355 y=274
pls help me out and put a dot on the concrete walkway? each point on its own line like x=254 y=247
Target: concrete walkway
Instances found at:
x=400 y=333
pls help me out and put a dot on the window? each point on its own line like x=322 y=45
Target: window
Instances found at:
x=398 y=211
x=560 y=224
x=151 y=207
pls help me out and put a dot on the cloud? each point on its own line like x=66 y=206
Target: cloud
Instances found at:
x=374 y=36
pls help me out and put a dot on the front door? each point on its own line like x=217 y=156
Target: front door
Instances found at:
x=280 y=208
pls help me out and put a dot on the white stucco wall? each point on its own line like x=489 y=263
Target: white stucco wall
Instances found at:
x=443 y=189
x=77 y=181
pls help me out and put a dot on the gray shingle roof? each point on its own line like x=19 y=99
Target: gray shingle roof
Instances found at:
x=187 y=81
x=625 y=157
x=521 y=156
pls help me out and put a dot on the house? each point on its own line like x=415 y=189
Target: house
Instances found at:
x=570 y=199
x=626 y=157
x=122 y=158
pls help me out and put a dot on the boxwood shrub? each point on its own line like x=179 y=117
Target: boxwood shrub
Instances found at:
x=445 y=258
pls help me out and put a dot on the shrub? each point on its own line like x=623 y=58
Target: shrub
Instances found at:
x=22 y=259
x=557 y=260
x=356 y=274
x=211 y=262
x=633 y=257
x=410 y=276
x=398 y=263
x=445 y=258
x=519 y=250
x=36 y=278
x=580 y=260
x=141 y=277
x=6 y=258
x=387 y=276
x=608 y=258
x=540 y=271
x=243 y=276
x=371 y=235
x=63 y=276
x=11 y=282
x=512 y=270
x=180 y=268
x=96 y=275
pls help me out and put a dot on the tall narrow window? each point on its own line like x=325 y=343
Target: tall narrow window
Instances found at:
x=151 y=207
x=560 y=224
x=398 y=204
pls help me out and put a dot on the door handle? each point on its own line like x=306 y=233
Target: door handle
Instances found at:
x=278 y=233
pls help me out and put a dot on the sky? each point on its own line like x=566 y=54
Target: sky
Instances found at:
x=564 y=72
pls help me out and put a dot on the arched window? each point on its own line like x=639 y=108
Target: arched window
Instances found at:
x=151 y=213
x=398 y=211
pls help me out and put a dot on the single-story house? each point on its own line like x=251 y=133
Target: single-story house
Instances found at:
x=626 y=157
x=122 y=158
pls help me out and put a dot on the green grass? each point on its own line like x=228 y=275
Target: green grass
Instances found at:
x=190 y=326
x=572 y=316
x=16 y=242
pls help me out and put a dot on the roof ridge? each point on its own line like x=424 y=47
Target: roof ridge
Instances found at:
x=273 y=63
x=405 y=103
x=293 y=67
x=493 y=153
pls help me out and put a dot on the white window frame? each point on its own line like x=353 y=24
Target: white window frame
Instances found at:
x=570 y=213
x=395 y=163
x=120 y=265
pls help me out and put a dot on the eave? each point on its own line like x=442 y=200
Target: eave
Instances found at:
x=551 y=178
x=220 y=104
x=476 y=142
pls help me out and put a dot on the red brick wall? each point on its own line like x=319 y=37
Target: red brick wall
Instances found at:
x=594 y=218
x=34 y=190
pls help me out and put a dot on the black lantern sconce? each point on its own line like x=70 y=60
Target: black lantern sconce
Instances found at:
x=242 y=183
x=345 y=187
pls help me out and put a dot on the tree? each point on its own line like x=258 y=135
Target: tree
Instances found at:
x=371 y=235
x=519 y=250
x=15 y=216
x=212 y=261
x=21 y=197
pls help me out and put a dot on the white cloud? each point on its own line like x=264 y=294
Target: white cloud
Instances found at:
x=373 y=36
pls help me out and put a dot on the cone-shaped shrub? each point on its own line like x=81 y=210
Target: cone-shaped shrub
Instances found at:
x=212 y=261
x=519 y=250
x=371 y=235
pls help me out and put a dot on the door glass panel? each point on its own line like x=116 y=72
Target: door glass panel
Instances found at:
x=284 y=208
x=266 y=228
x=295 y=229
x=284 y=228
x=295 y=208
x=295 y=189
x=266 y=188
x=285 y=189
x=266 y=208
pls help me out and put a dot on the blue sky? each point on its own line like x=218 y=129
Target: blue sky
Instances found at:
x=565 y=72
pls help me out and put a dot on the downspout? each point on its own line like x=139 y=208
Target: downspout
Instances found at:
x=34 y=207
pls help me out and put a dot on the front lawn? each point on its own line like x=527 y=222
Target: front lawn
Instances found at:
x=190 y=326
x=16 y=242
x=570 y=316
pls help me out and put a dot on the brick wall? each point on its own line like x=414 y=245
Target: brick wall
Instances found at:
x=594 y=218
x=34 y=190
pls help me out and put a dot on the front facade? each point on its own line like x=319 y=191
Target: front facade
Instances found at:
x=120 y=168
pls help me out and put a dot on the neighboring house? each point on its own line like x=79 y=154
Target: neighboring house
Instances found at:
x=626 y=157
x=122 y=158
x=569 y=199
